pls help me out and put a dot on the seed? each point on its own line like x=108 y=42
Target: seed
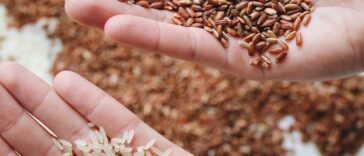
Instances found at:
x=281 y=8
x=215 y=33
x=270 y=11
x=276 y=28
x=249 y=37
x=183 y=13
x=256 y=61
x=57 y=144
x=265 y=65
x=269 y=23
x=156 y=151
x=283 y=45
x=312 y=9
x=232 y=32
x=247 y=21
x=150 y=144
x=290 y=36
x=256 y=38
x=243 y=44
x=280 y=57
x=144 y=4
x=157 y=5
x=296 y=24
x=272 y=40
x=271 y=34
x=306 y=19
x=266 y=59
x=305 y=6
x=262 y=19
x=130 y=136
x=267 y=46
x=251 y=49
x=299 y=39
x=286 y=17
x=291 y=7
x=189 y=22
x=185 y=2
x=260 y=46
x=167 y=152
x=224 y=42
x=177 y=21
x=81 y=142
x=208 y=29
x=199 y=25
x=287 y=32
x=286 y=26
x=305 y=13
x=258 y=22
x=219 y=15
x=296 y=15
x=255 y=15
x=198 y=20
x=258 y=4
x=241 y=5
x=275 y=51
x=249 y=8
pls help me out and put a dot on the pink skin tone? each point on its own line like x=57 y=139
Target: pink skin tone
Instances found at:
x=332 y=47
x=66 y=108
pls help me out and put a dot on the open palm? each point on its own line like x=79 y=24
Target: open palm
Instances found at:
x=66 y=109
x=333 y=42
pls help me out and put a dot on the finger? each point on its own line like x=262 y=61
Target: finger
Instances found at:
x=42 y=101
x=5 y=149
x=96 y=12
x=106 y=112
x=19 y=129
x=191 y=44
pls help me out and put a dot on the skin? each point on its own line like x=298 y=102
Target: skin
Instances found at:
x=66 y=109
x=332 y=49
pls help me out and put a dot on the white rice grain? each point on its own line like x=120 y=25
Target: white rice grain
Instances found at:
x=147 y=153
x=156 y=151
x=57 y=144
x=150 y=144
x=93 y=137
x=140 y=148
x=168 y=152
x=140 y=153
x=130 y=136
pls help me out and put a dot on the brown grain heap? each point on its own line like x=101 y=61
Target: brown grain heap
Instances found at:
x=201 y=109
x=259 y=23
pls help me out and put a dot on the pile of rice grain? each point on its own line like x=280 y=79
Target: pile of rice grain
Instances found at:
x=101 y=145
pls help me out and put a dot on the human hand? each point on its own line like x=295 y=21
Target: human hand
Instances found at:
x=65 y=109
x=332 y=46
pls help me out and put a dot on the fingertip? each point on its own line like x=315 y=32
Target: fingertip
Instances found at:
x=134 y=31
x=88 y=12
x=8 y=72
x=119 y=27
x=64 y=81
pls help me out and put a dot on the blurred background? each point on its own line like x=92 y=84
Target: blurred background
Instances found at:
x=204 y=110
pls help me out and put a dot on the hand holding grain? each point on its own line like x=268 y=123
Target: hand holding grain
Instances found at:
x=332 y=45
x=66 y=109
